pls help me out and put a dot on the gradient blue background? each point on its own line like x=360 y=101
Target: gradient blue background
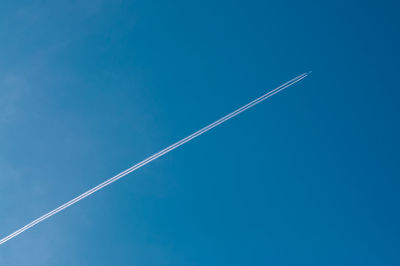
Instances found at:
x=310 y=177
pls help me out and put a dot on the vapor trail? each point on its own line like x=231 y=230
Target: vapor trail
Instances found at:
x=155 y=156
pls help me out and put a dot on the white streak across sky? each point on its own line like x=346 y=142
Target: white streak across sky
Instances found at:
x=155 y=156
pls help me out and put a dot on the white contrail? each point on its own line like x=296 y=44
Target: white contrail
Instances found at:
x=155 y=156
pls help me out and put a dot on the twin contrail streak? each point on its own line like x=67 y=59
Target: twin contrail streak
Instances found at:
x=155 y=156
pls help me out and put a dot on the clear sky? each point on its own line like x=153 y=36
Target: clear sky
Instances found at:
x=310 y=177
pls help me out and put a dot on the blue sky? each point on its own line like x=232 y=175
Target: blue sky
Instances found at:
x=310 y=177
